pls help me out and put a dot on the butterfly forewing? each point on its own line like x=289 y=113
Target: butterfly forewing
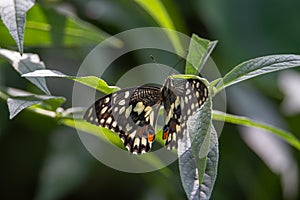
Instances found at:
x=131 y=113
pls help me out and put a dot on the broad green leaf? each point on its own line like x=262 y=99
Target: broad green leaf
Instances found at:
x=45 y=27
x=26 y=63
x=158 y=12
x=13 y=15
x=211 y=169
x=199 y=51
x=198 y=155
x=188 y=169
x=199 y=128
x=258 y=66
x=17 y=104
x=240 y=120
x=91 y=81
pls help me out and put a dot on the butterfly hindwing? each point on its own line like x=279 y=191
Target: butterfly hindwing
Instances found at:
x=182 y=98
x=131 y=113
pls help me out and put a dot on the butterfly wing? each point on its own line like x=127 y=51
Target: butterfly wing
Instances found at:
x=181 y=100
x=131 y=113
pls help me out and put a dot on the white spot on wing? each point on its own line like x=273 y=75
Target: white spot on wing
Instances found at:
x=144 y=141
x=122 y=102
x=187 y=84
x=116 y=109
x=109 y=120
x=188 y=111
x=128 y=111
x=136 y=142
x=147 y=110
x=174 y=136
x=126 y=94
x=103 y=110
x=205 y=92
x=152 y=118
x=102 y=121
x=106 y=100
x=122 y=109
x=128 y=127
x=177 y=102
x=186 y=100
x=139 y=107
x=177 y=128
x=132 y=135
x=90 y=112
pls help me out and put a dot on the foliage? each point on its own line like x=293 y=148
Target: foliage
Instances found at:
x=199 y=155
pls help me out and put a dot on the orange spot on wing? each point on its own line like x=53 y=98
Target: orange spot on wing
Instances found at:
x=151 y=137
x=165 y=135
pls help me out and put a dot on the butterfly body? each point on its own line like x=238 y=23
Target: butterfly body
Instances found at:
x=133 y=112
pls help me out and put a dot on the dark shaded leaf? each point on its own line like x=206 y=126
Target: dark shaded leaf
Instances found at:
x=17 y=104
x=13 y=15
x=26 y=63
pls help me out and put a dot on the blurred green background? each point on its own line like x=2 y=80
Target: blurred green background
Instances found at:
x=42 y=160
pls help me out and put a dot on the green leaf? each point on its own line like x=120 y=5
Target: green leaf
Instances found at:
x=258 y=66
x=17 y=104
x=198 y=155
x=91 y=81
x=46 y=26
x=13 y=15
x=286 y=136
x=211 y=169
x=26 y=63
x=199 y=128
x=158 y=12
x=199 y=51
x=188 y=169
x=96 y=83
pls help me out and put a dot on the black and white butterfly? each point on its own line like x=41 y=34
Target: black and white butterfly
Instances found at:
x=132 y=113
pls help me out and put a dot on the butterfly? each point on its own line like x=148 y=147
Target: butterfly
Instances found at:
x=132 y=112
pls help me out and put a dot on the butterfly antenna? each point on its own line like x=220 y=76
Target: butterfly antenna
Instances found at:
x=168 y=74
x=154 y=61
